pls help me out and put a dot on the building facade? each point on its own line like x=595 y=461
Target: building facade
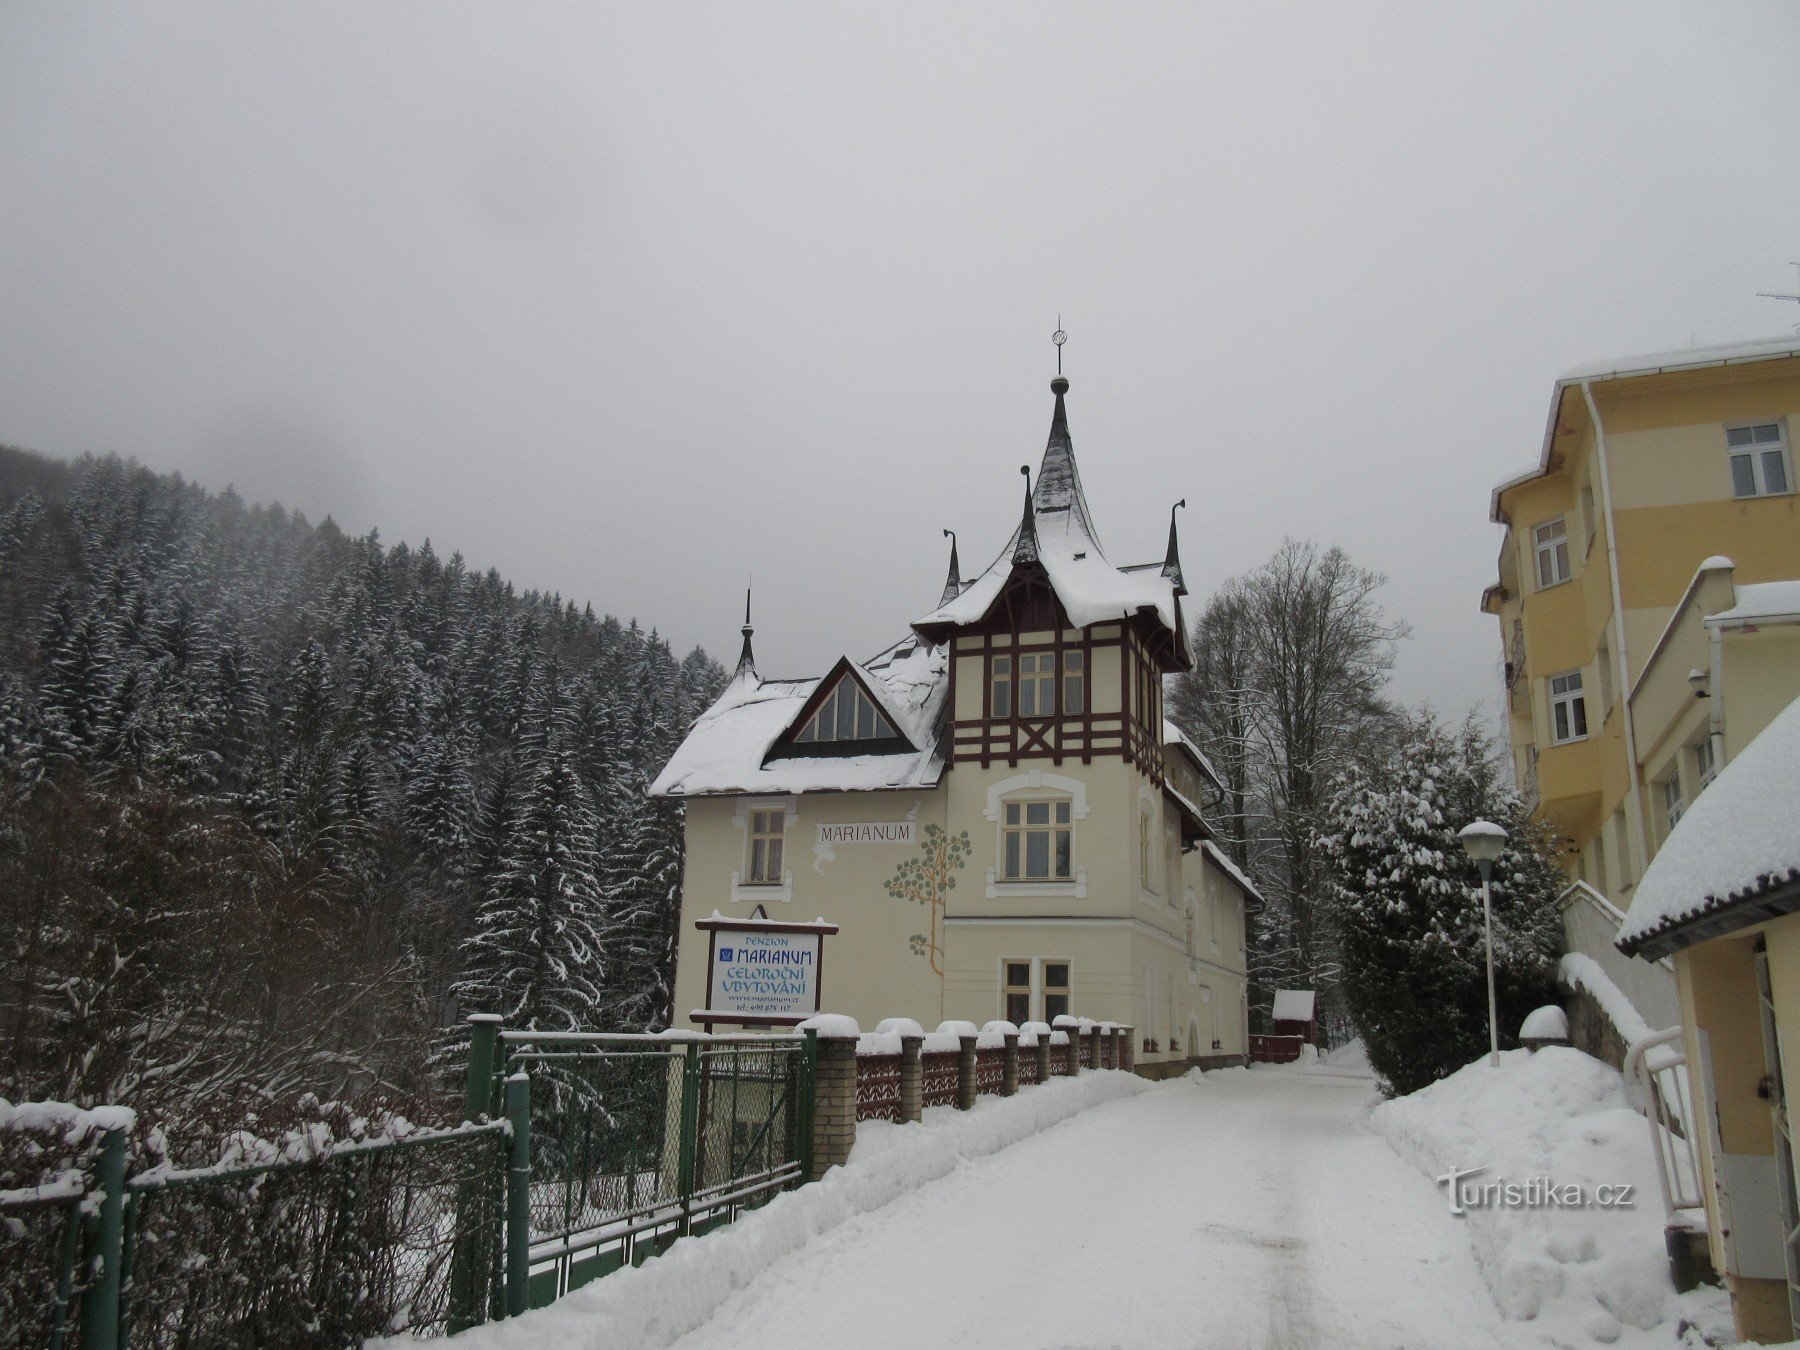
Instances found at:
x=1649 y=604
x=993 y=812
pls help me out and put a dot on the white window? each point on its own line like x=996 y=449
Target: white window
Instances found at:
x=1016 y=991
x=1074 y=697
x=1568 y=708
x=766 y=832
x=847 y=714
x=1759 y=460
x=1001 y=686
x=1037 y=685
x=1672 y=803
x=1037 y=841
x=1056 y=990
x=1705 y=766
x=1551 y=540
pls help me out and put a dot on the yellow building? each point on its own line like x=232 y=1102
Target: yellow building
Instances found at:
x=1651 y=623
x=1650 y=466
x=993 y=811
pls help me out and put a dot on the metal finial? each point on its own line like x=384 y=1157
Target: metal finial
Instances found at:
x=1059 y=337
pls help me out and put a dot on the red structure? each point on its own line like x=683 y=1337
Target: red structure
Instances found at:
x=1295 y=1021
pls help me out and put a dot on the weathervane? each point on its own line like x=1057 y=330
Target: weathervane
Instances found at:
x=1059 y=337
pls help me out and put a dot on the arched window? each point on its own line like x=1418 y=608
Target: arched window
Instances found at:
x=1191 y=949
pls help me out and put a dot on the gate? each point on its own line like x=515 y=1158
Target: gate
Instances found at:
x=624 y=1143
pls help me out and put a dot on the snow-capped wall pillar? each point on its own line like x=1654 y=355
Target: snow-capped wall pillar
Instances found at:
x=965 y=1071
x=1009 y=1077
x=912 y=1079
x=1128 y=1048
x=834 y=1094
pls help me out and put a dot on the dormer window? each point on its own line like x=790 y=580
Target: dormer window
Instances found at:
x=847 y=714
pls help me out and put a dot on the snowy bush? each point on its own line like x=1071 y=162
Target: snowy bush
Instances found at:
x=1407 y=904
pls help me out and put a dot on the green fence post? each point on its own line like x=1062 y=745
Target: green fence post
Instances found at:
x=100 y=1303
x=690 y=1132
x=518 y=1194
x=468 y=1301
x=809 y=1077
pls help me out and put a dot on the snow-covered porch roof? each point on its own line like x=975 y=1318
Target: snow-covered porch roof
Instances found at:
x=1734 y=860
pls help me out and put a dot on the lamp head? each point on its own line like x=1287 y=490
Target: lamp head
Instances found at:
x=1482 y=840
x=1701 y=682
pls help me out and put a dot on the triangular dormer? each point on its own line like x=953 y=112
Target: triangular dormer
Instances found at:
x=849 y=713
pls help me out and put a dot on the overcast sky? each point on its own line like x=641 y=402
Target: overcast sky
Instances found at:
x=634 y=301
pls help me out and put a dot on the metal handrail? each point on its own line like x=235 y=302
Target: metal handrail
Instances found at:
x=1669 y=1112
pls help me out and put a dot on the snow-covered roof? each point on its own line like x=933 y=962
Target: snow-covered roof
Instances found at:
x=1174 y=735
x=1091 y=589
x=1735 y=847
x=1231 y=869
x=726 y=749
x=1685 y=358
x=1760 y=602
x=1293 y=1005
x=1650 y=363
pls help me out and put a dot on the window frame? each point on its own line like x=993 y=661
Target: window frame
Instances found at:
x=1015 y=823
x=1073 y=676
x=814 y=731
x=1673 y=805
x=1065 y=991
x=1755 y=454
x=1554 y=549
x=1000 y=686
x=1035 y=683
x=1010 y=989
x=1706 y=766
x=1575 y=700
x=757 y=832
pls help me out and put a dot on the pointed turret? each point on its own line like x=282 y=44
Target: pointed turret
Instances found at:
x=1059 y=481
x=953 y=582
x=746 y=666
x=1026 y=549
x=1171 y=567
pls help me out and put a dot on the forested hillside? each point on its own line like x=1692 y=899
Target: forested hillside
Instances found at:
x=279 y=805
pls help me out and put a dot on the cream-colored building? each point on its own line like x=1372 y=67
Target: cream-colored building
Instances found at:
x=993 y=811
x=1649 y=602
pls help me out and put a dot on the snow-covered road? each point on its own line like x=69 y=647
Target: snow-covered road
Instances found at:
x=1242 y=1209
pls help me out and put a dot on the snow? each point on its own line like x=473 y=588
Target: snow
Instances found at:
x=958 y=1029
x=1231 y=869
x=1174 y=735
x=1684 y=358
x=677 y=1292
x=1760 y=601
x=1293 y=1005
x=1583 y=972
x=1581 y=1275
x=900 y=1026
x=1548 y=1023
x=726 y=749
x=1737 y=840
x=832 y=1027
x=1717 y=563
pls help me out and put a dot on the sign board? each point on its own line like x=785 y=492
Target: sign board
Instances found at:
x=870 y=832
x=762 y=972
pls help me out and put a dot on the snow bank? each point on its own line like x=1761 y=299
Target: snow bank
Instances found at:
x=668 y=1296
x=1588 y=975
x=1558 y=1116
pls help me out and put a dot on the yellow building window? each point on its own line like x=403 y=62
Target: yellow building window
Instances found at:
x=767 y=829
x=1038 y=842
x=1759 y=462
x=1017 y=991
x=1551 y=543
x=1074 y=693
x=1056 y=990
x=1568 y=708
x=1001 y=687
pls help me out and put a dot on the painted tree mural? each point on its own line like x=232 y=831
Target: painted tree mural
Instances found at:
x=928 y=880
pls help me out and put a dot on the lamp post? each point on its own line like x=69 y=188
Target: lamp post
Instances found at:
x=1482 y=840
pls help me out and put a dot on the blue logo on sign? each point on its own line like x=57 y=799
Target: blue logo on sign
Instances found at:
x=724 y=953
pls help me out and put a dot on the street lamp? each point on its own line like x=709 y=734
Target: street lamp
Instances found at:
x=1482 y=840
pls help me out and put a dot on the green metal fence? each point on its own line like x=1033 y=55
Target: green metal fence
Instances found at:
x=624 y=1143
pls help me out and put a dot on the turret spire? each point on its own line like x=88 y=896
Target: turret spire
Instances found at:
x=1026 y=550
x=953 y=582
x=746 y=665
x=1171 y=567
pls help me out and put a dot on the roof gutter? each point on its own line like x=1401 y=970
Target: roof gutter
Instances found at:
x=1634 y=826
